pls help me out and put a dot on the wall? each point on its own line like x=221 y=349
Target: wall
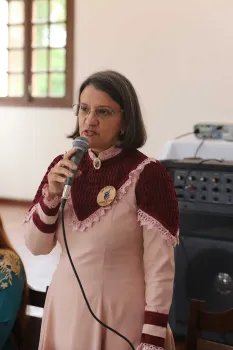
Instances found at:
x=178 y=54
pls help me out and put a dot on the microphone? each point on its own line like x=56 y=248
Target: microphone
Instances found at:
x=81 y=144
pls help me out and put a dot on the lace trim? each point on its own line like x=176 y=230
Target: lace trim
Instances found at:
x=150 y=223
x=107 y=154
x=50 y=203
x=95 y=217
x=9 y=263
x=145 y=346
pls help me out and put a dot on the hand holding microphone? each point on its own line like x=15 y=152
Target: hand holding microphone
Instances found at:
x=60 y=172
x=62 y=175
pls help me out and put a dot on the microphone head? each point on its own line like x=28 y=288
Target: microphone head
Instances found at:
x=81 y=143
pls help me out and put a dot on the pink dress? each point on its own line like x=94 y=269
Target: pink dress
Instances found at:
x=123 y=253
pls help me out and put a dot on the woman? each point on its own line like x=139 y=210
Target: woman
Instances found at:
x=13 y=295
x=121 y=226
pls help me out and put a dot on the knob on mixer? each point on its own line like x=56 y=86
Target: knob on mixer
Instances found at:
x=203 y=179
x=215 y=189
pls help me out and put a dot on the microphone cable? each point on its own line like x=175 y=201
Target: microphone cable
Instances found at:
x=80 y=284
x=196 y=132
x=184 y=135
x=199 y=147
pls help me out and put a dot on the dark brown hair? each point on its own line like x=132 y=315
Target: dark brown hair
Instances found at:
x=17 y=334
x=120 y=89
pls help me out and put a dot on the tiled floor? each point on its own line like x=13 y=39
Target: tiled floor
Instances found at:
x=39 y=269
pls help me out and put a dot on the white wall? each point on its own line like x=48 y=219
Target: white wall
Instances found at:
x=177 y=53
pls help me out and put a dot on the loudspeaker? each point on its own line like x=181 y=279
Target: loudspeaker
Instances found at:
x=204 y=270
x=204 y=256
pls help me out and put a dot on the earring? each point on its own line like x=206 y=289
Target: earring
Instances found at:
x=122 y=132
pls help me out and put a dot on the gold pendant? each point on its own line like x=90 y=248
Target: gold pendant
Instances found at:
x=106 y=196
x=97 y=163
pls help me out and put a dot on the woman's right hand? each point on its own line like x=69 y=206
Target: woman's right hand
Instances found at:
x=58 y=174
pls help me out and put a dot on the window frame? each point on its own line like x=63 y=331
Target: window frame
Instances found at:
x=57 y=102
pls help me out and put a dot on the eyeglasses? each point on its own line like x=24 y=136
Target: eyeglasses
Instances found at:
x=102 y=112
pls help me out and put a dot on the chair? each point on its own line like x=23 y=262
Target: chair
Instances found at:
x=35 y=298
x=201 y=320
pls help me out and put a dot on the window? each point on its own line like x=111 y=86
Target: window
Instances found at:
x=36 y=52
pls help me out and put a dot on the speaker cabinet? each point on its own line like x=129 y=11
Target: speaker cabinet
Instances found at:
x=204 y=269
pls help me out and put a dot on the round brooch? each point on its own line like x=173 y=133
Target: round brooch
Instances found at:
x=106 y=196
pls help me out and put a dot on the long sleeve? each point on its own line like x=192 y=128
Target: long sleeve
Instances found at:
x=41 y=220
x=158 y=214
x=12 y=281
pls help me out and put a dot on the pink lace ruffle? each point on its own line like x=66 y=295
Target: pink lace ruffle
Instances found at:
x=150 y=347
x=95 y=217
x=151 y=223
x=78 y=225
x=50 y=203
x=109 y=153
x=145 y=346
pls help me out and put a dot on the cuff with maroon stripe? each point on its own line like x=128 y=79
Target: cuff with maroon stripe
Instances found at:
x=42 y=226
x=50 y=205
x=49 y=210
x=154 y=329
x=46 y=214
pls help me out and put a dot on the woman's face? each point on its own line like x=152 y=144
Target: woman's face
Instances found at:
x=100 y=119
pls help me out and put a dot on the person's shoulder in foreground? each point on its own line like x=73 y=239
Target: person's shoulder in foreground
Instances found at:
x=12 y=282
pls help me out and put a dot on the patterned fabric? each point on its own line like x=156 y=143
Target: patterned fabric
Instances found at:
x=42 y=199
x=12 y=280
x=9 y=264
x=82 y=225
x=148 y=347
x=45 y=212
x=152 y=223
x=114 y=171
x=109 y=153
x=45 y=181
x=117 y=171
x=157 y=198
